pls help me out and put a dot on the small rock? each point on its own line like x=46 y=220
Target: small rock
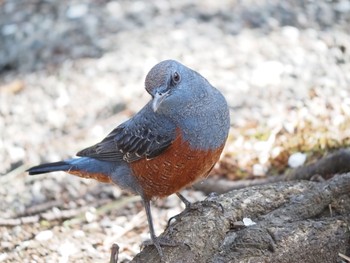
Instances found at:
x=67 y=249
x=267 y=73
x=9 y=29
x=296 y=159
x=78 y=234
x=56 y=118
x=90 y=215
x=36 y=190
x=3 y=257
x=77 y=11
x=292 y=33
x=16 y=153
x=259 y=170
x=342 y=6
x=44 y=235
x=248 y=222
x=63 y=100
x=289 y=127
x=114 y=8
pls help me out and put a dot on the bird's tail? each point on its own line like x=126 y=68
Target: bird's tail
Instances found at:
x=84 y=167
x=49 y=167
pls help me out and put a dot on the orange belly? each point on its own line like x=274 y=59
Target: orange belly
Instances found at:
x=175 y=168
x=97 y=176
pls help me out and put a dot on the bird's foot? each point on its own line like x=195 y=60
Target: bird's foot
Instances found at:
x=161 y=241
x=209 y=202
x=188 y=207
x=158 y=242
x=179 y=216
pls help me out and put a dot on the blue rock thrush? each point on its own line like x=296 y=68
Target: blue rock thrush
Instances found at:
x=174 y=140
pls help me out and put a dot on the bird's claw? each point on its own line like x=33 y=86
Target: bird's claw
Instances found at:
x=213 y=203
x=162 y=241
x=197 y=206
x=158 y=243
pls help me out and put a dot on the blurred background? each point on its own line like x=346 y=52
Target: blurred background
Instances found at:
x=71 y=71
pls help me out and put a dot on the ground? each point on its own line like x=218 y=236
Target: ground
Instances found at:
x=70 y=71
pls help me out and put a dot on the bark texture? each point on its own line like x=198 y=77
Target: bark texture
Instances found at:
x=294 y=221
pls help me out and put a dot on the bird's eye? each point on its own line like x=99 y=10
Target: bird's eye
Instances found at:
x=176 y=78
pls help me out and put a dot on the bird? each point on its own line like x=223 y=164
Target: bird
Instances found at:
x=172 y=142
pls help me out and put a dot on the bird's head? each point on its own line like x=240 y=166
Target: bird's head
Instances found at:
x=168 y=81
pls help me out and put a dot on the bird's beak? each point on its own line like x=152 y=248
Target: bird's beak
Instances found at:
x=158 y=99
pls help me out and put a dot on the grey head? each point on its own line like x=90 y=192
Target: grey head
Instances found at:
x=166 y=81
x=190 y=101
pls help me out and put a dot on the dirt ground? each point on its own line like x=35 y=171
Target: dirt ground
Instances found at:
x=71 y=71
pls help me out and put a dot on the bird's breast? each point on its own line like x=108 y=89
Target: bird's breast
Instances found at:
x=177 y=167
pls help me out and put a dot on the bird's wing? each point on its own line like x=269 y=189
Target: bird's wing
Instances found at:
x=145 y=135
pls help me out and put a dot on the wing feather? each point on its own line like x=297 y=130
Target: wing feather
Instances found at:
x=146 y=135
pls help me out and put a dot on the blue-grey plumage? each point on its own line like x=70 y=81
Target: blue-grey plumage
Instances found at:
x=174 y=140
x=190 y=102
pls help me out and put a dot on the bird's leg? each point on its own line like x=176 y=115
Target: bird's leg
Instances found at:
x=184 y=200
x=187 y=208
x=156 y=241
x=114 y=254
